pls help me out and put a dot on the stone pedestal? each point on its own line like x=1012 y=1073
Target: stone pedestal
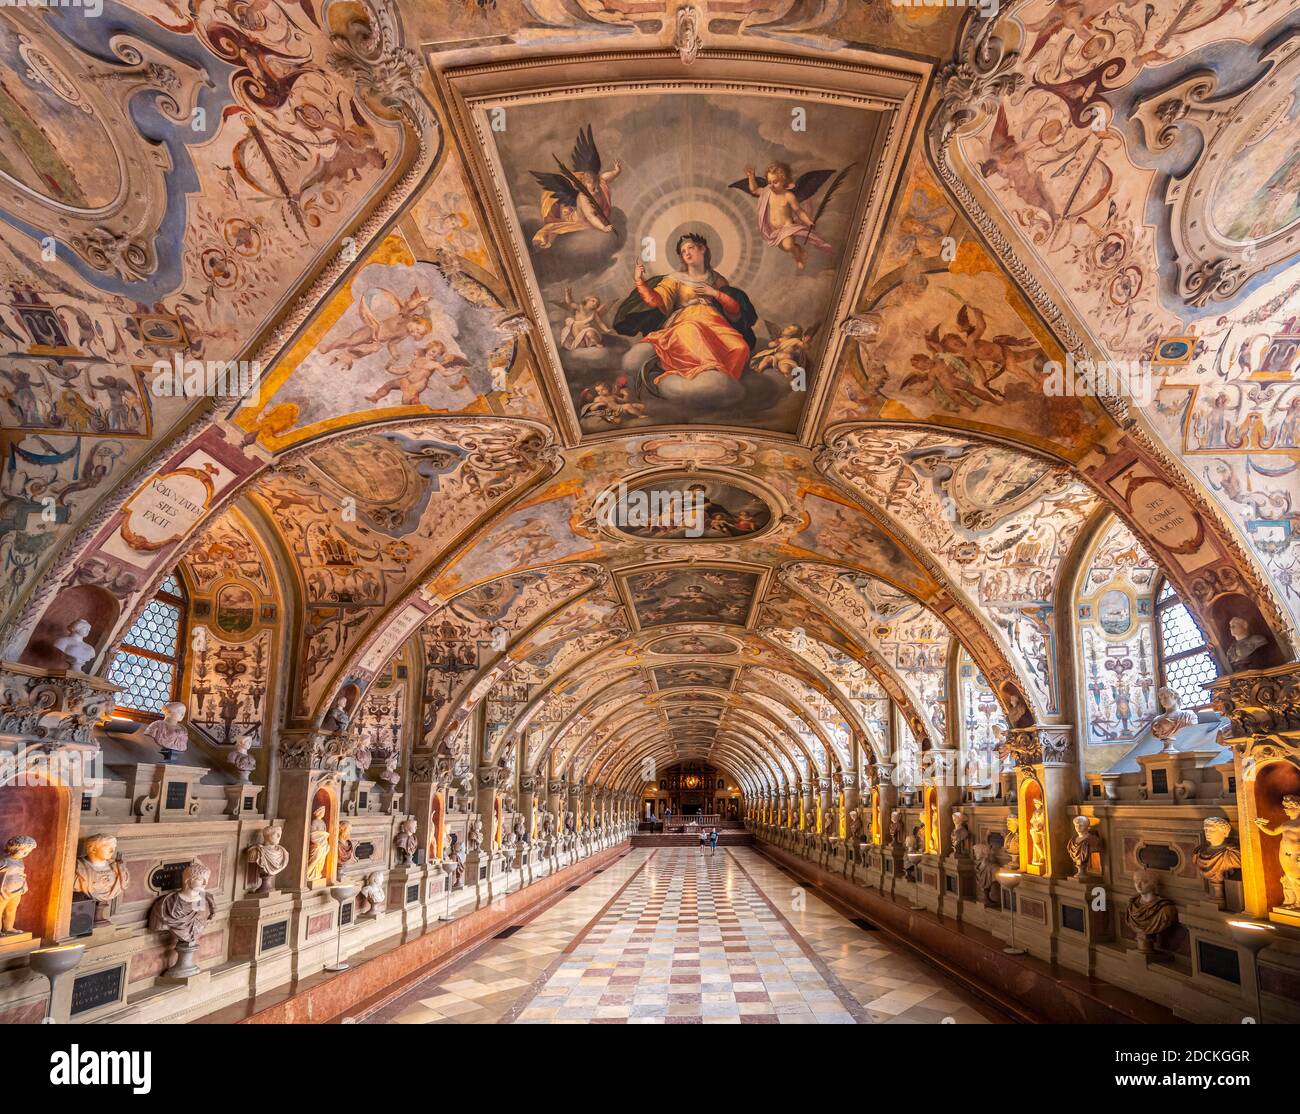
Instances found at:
x=1084 y=920
x=163 y=791
x=406 y=886
x=261 y=932
x=958 y=883
x=243 y=800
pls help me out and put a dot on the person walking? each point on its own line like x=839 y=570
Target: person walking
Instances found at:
x=713 y=841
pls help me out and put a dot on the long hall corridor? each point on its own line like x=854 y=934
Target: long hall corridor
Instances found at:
x=680 y=936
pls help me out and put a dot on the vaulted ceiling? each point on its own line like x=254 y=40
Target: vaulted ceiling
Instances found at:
x=425 y=224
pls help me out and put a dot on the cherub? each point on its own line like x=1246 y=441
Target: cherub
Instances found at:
x=585 y=328
x=610 y=404
x=530 y=541
x=782 y=219
x=409 y=319
x=576 y=200
x=787 y=351
x=413 y=378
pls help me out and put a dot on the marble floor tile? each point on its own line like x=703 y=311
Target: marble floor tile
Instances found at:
x=670 y=936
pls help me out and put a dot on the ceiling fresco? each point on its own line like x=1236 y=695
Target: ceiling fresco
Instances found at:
x=649 y=387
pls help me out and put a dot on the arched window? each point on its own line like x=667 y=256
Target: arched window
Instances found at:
x=148 y=663
x=1186 y=664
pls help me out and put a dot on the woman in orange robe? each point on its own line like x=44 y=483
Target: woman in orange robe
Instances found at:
x=703 y=322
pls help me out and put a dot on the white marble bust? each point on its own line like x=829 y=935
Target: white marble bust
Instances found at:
x=74 y=646
x=167 y=732
x=1173 y=719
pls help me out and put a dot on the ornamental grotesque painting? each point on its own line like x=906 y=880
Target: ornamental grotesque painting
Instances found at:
x=688 y=247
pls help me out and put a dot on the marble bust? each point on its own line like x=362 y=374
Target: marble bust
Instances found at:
x=960 y=839
x=345 y=848
x=100 y=873
x=405 y=842
x=1217 y=856
x=1245 y=650
x=13 y=881
x=339 y=718
x=241 y=760
x=1082 y=846
x=1149 y=915
x=896 y=827
x=372 y=897
x=1173 y=719
x=185 y=913
x=167 y=732
x=474 y=834
x=267 y=858
x=1011 y=845
x=74 y=646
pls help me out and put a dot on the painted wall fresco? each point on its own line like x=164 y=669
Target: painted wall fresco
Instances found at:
x=233 y=627
x=1115 y=616
x=654 y=329
x=233 y=190
x=692 y=595
x=1000 y=522
x=982 y=726
x=363 y=515
x=710 y=510
x=1162 y=237
x=706 y=676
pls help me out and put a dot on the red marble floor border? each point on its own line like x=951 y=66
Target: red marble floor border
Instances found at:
x=369 y=984
x=1025 y=987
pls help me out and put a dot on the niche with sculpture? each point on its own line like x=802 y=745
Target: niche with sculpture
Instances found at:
x=1035 y=845
x=437 y=826
x=36 y=860
x=1272 y=875
x=930 y=819
x=72 y=632
x=875 y=816
x=322 y=839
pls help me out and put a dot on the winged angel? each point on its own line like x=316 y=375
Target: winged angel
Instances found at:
x=783 y=222
x=577 y=198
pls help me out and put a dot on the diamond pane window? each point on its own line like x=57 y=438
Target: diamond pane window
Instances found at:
x=147 y=663
x=1189 y=676
x=1186 y=664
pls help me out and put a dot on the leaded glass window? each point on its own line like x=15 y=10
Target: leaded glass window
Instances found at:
x=147 y=664
x=1186 y=664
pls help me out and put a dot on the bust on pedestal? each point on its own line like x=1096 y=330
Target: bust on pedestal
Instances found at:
x=267 y=859
x=74 y=646
x=1082 y=846
x=184 y=913
x=101 y=874
x=1217 y=856
x=1150 y=916
x=1173 y=719
x=168 y=733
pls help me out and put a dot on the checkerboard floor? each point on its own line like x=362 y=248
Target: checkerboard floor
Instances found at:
x=679 y=936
